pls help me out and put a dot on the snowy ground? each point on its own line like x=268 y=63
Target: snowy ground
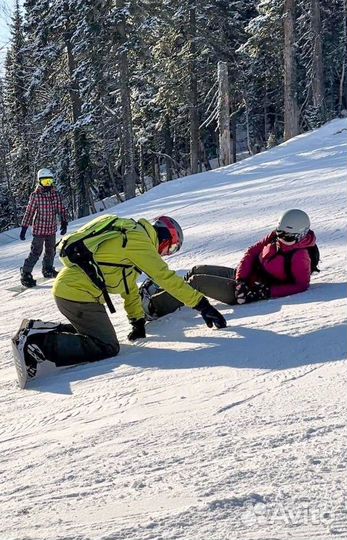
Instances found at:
x=193 y=433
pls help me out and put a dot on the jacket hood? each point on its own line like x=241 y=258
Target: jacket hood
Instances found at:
x=306 y=242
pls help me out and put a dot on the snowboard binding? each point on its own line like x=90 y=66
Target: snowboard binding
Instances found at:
x=27 y=279
x=49 y=272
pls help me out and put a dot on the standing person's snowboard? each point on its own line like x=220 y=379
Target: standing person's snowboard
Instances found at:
x=18 y=289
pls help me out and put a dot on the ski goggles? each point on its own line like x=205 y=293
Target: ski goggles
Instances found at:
x=287 y=236
x=171 y=243
x=46 y=182
x=168 y=248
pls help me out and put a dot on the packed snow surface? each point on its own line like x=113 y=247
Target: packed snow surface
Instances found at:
x=193 y=433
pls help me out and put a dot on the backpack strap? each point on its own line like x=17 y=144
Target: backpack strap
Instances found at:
x=95 y=275
x=124 y=267
x=288 y=255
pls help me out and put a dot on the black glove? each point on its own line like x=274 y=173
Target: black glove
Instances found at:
x=241 y=291
x=22 y=233
x=246 y=294
x=210 y=315
x=138 y=330
x=63 y=227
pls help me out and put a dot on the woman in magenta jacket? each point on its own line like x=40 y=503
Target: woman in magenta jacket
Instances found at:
x=278 y=265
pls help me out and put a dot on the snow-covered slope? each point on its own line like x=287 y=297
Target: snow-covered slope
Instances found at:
x=195 y=433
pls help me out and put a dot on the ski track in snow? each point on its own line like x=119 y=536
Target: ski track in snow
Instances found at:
x=194 y=434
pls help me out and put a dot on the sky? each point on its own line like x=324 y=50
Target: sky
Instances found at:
x=6 y=7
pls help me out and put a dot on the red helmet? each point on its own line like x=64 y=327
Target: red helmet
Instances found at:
x=170 y=235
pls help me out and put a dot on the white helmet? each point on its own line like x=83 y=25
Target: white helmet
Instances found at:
x=45 y=178
x=293 y=225
x=44 y=173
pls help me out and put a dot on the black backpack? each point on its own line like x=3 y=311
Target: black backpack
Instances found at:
x=78 y=248
x=314 y=254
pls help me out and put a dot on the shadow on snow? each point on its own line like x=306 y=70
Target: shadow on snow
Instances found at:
x=237 y=346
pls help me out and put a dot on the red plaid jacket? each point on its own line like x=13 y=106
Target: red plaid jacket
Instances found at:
x=42 y=211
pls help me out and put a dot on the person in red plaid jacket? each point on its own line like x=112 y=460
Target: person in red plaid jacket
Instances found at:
x=44 y=205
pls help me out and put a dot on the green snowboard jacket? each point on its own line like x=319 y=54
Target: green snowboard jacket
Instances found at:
x=141 y=254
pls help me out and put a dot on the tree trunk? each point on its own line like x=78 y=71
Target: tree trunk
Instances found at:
x=194 y=115
x=142 y=169
x=81 y=153
x=204 y=157
x=83 y=173
x=249 y=145
x=233 y=134
x=168 y=149
x=65 y=173
x=113 y=180
x=11 y=197
x=223 y=115
x=155 y=170
x=317 y=59
x=266 y=115
x=291 y=111
x=130 y=175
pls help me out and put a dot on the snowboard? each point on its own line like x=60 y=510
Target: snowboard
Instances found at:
x=24 y=372
x=21 y=368
x=18 y=355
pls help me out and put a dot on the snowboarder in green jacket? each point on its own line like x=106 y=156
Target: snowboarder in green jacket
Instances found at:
x=90 y=336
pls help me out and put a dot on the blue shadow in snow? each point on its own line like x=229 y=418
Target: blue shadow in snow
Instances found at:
x=236 y=346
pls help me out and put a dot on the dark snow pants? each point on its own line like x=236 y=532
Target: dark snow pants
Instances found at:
x=91 y=337
x=35 y=252
x=216 y=282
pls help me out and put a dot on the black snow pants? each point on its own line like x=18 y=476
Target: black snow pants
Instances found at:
x=35 y=252
x=216 y=282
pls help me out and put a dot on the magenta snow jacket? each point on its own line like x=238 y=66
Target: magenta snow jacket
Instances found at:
x=41 y=211
x=264 y=262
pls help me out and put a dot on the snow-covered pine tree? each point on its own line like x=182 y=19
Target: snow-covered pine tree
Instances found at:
x=8 y=205
x=100 y=90
x=17 y=110
x=261 y=74
x=291 y=111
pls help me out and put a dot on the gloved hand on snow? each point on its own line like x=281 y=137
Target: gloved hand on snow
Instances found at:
x=210 y=314
x=23 y=233
x=245 y=294
x=138 y=330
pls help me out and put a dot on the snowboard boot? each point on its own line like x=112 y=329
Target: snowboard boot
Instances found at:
x=27 y=279
x=49 y=272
